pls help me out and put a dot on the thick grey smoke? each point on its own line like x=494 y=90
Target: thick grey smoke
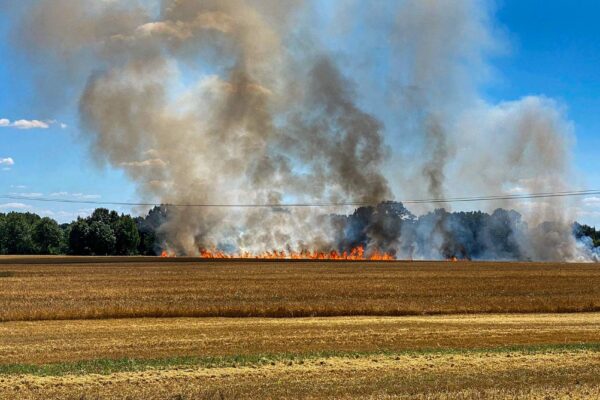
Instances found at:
x=463 y=144
x=248 y=101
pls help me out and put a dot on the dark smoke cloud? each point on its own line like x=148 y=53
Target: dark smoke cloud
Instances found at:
x=247 y=101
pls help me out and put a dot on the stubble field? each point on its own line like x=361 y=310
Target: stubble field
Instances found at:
x=45 y=288
x=185 y=329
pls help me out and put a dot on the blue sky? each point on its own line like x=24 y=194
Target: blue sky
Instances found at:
x=553 y=50
x=52 y=162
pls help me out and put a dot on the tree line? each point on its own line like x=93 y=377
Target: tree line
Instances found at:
x=107 y=232
x=104 y=232
x=499 y=235
x=587 y=231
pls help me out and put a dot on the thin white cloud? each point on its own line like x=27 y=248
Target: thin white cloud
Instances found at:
x=589 y=211
x=592 y=201
x=32 y=194
x=14 y=206
x=585 y=213
x=91 y=196
x=62 y=215
x=516 y=190
x=75 y=195
x=59 y=215
x=45 y=213
x=30 y=124
x=7 y=161
x=85 y=196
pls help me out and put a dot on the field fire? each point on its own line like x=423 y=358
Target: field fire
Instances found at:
x=299 y=199
x=284 y=152
x=356 y=254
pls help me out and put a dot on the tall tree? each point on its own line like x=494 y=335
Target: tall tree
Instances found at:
x=17 y=231
x=47 y=236
x=103 y=215
x=101 y=238
x=127 y=236
x=79 y=237
x=2 y=236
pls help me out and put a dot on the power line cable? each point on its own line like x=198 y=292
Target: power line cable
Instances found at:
x=523 y=196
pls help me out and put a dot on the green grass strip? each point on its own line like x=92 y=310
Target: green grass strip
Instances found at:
x=109 y=366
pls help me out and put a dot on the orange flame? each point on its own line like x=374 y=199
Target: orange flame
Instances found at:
x=357 y=253
x=166 y=253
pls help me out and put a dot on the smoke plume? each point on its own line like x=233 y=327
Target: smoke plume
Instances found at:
x=271 y=102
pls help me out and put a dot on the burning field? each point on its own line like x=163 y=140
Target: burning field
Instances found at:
x=356 y=254
x=260 y=124
x=275 y=148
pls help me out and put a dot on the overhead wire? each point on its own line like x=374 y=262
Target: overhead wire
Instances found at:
x=502 y=197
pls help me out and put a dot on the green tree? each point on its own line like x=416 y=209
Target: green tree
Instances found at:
x=104 y=215
x=65 y=234
x=147 y=243
x=17 y=231
x=2 y=236
x=586 y=230
x=127 y=236
x=101 y=238
x=47 y=236
x=79 y=237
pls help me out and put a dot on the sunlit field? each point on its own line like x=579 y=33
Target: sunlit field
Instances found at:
x=152 y=328
x=200 y=288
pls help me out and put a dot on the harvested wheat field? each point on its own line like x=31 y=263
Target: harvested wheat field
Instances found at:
x=57 y=288
x=536 y=374
x=43 y=342
x=147 y=328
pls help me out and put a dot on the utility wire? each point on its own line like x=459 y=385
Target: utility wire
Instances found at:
x=523 y=196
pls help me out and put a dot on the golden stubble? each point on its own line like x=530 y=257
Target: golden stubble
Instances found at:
x=149 y=288
x=572 y=374
x=38 y=342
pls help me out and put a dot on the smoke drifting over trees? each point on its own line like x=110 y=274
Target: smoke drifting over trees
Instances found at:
x=388 y=227
x=242 y=101
x=501 y=235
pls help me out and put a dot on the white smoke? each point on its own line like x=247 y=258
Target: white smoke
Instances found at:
x=242 y=101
